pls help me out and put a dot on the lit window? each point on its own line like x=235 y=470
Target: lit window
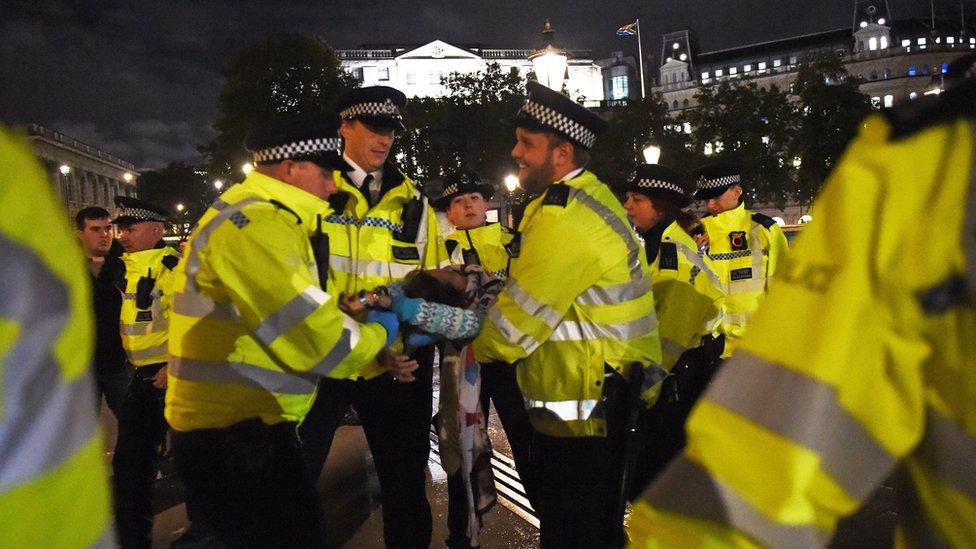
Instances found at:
x=618 y=87
x=705 y=75
x=762 y=67
x=921 y=41
x=746 y=68
x=765 y=140
x=938 y=39
x=793 y=60
x=883 y=43
x=777 y=62
x=972 y=40
x=383 y=73
x=708 y=149
x=687 y=127
x=889 y=100
x=733 y=70
x=912 y=95
x=912 y=71
x=872 y=43
x=906 y=43
x=945 y=68
x=950 y=39
x=876 y=102
x=718 y=72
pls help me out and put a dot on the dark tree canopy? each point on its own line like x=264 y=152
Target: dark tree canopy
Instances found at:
x=176 y=184
x=293 y=73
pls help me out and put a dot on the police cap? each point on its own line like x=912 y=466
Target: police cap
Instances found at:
x=714 y=179
x=314 y=138
x=132 y=210
x=656 y=181
x=551 y=111
x=375 y=105
x=461 y=182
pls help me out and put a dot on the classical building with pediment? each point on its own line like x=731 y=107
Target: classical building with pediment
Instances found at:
x=417 y=70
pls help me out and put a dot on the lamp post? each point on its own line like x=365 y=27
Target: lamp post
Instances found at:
x=549 y=62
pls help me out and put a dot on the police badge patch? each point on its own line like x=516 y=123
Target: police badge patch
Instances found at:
x=737 y=240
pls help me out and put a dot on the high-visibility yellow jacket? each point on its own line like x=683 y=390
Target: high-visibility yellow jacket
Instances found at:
x=686 y=293
x=145 y=331
x=490 y=244
x=53 y=481
x=367 y=245
x=567 y=310
x=252 y=330
x=745 y=249
x=859 y=362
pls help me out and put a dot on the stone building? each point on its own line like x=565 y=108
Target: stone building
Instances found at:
x=84 y=175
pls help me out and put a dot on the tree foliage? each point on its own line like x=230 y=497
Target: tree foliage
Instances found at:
x=286 y=73
x=176 y=184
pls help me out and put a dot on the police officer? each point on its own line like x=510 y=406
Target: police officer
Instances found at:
x=144 y=325
x=576 y=319
x=745 y=248
x=53 y=483
x=382 y=228
x=255 y=324
x=686 y=291
x=858 y=364
x=464 y=199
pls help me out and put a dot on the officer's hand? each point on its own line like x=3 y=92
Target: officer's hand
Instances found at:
x=400 y=367
x=407 y=309
x=160 y=379
x=417 y=338
x=388 y=320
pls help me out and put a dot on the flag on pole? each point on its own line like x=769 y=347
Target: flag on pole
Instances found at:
x=629 y=29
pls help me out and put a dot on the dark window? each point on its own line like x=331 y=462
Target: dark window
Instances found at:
x=925 y=70
x=675 y=104
x=887 y=73
x=684 y=103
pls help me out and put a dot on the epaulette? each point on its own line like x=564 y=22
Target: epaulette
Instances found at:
x=281 y=206
x=763 y=220
x=338 y=201
x=451 y=245
x=170 y=261
x=556 y=195
x=925 y=112
x=392 y=176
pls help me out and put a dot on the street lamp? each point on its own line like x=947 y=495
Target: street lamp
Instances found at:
x=218 y=184
x=127 y=177
x=179 y=207
x=511 y=182
x=247 y=167
x=549 y=62
x=652 y=153
x=65 y=169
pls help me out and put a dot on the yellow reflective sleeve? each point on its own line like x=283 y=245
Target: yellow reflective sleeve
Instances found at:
x=778 y=248
x=435 y=253
x=542 y=285
x=269 y=275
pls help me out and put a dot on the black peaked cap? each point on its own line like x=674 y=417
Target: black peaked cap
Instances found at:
x=298 y=137
x=131 y=210
x=376 y=105
x=461 y=182
x=712 y=180
x=656 y=181
x=551 y=111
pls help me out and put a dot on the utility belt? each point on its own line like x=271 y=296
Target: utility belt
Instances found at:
x=147 y=372
x=252 y=439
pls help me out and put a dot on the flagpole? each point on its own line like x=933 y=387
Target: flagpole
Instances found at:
x=640 y=58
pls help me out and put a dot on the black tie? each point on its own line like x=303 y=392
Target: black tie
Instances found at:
x=364 y=188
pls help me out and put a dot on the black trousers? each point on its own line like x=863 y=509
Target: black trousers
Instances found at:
x=498 y=386
x=577 y=482
x=142 y=430
x=396 y=420
x=112 y=380
x=249 y=482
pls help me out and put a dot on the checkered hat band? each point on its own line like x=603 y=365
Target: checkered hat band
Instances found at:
x=141 y=213
x=559 y=122
x=377 y=108
x=450 y=189
x=658 y=184
x=309 y=146
x=704 y=183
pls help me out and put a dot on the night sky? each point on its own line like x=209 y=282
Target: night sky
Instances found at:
x=140 y=79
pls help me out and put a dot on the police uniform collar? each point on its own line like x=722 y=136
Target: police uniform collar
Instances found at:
x=305 y=204
x=357 y=174
x=572 y=175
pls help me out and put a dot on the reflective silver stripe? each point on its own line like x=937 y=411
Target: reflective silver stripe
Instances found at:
x=510 y=332
x=107 y=538
x=758 y=272
x=612 y=295
x=619 y=226
x=290 y=314
x=242 y=374
x=530 y=305
x=685 y=488
x=746 y=286
x=46 y=419
x=202 y=235
x=567 y=410
x=697 y=261
x=569 y=330
x=370 y=268
x=193 y=304
x=653 y=375
x=152 y=352
x=672 y=347
x=136 y=329
x=807 y=412
x=950 y=453
x=348 y=340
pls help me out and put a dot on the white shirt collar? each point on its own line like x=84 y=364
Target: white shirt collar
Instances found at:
x=357 y=175
x=571 y=175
